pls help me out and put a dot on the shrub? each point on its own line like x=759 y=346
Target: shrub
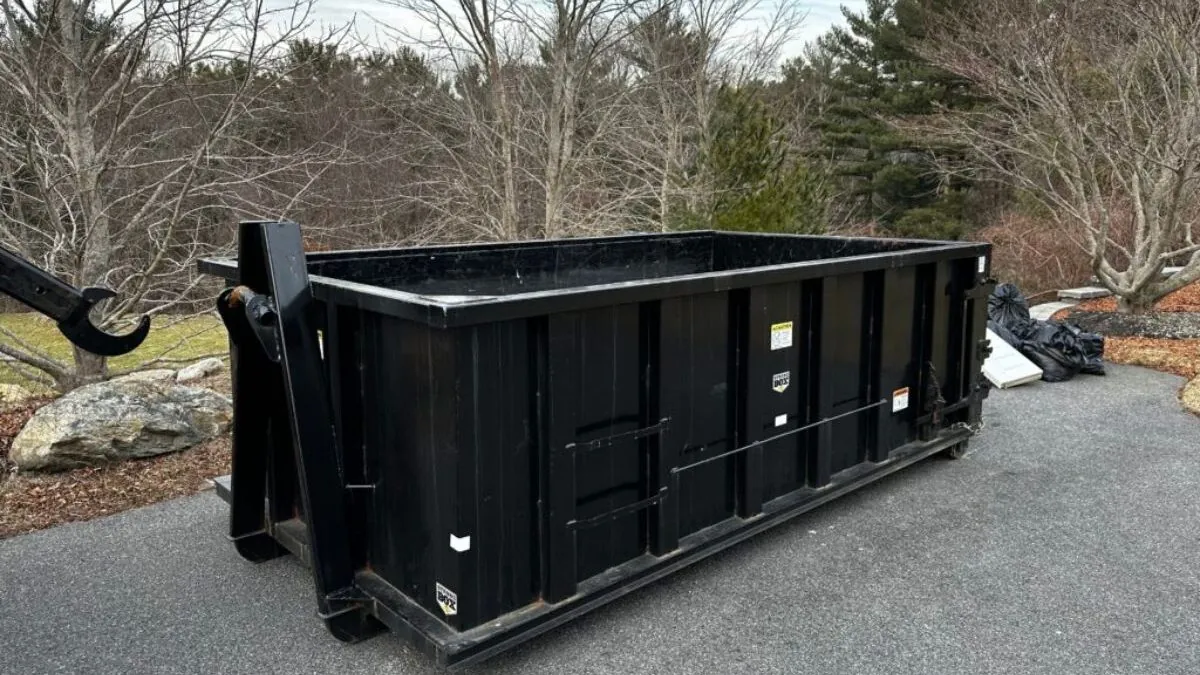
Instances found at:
x=928 y=223
x=1034 y=254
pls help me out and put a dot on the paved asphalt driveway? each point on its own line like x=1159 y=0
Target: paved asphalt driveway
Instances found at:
x=1067 y=542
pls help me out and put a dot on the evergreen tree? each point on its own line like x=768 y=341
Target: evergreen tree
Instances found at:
x=757 y=183
x=878 y=79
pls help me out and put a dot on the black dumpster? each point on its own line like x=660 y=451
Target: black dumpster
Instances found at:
x=473 y=444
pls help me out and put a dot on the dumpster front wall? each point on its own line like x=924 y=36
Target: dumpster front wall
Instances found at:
x=513 y=460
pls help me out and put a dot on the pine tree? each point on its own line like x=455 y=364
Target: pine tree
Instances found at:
x=757 y=183
x=892 y=177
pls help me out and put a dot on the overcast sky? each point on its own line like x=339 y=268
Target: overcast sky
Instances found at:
x=821 y=15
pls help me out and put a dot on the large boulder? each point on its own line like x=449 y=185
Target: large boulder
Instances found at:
x=124 y=418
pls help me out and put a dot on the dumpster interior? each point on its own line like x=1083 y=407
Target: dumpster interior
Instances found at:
x=505 y=269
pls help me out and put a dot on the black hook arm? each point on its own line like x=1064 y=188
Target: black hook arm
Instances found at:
x=67 y=305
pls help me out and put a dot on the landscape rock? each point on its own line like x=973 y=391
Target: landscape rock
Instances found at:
x=1083 y=293
x=199 y=369
x=125 y=418
x=156 y=375
x=14 y=394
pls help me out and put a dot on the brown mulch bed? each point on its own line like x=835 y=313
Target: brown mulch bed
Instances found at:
x=31 y=502
x=1186 y=299
x=1181 y=357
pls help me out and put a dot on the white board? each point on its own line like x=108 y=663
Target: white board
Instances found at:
x=1006 y=367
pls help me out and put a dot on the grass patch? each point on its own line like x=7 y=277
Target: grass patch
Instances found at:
x=181 y=341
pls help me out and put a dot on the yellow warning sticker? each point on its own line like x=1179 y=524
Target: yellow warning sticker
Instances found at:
x=781 y=335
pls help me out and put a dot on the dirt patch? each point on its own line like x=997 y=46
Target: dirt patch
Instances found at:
x=31 y=502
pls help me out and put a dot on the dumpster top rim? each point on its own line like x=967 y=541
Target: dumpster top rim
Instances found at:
x=444 y=311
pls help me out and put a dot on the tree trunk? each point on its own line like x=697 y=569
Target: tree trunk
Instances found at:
x=1140 y=302
x=89 y=368
x=80 y=135
x=555 y=132
x=509 y=217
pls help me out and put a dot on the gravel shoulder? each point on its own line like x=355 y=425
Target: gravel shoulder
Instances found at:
x=1065 y=542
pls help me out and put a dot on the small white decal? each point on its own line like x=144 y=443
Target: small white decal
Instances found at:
x=899 y=400
x=781 y=420
x=460 y=544
x=447 y=600
x=982 y=264
x=781 y=335
x=780 y=381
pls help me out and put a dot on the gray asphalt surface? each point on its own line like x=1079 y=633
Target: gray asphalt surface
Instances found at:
x=1068 y=541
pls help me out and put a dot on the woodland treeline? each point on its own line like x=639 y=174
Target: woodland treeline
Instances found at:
x=134 y=135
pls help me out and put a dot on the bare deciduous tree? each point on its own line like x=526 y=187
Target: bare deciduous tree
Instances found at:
x=1097 y=116
x=476 y=40
x=575 y=35
x=686 y=50
x=131 y=130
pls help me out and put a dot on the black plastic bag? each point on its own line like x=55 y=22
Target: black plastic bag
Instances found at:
x=1092 y=347
x=1004 y=334
x=1007 y=306
x=1052 y=370
x=1032 y=349
x=1056 y=351
x=1060 y=350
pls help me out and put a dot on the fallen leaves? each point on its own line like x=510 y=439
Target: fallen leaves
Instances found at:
x=1181 y=357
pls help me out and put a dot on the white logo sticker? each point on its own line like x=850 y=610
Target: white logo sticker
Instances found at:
x=781 y=420
x=899 y=400
x=460 y=544
x=781 y=335
x=780 y=381
x=447 y=600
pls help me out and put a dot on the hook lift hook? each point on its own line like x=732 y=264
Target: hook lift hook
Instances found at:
x=68 y=306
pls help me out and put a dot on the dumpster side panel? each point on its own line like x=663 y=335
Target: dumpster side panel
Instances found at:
x=596 y=414
x=698 y=396
x=775 y=372
x=962 y=274
x=843 y=368
x=452 y=520
x=493 y=531
x=411 y=452
x=898 y=328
